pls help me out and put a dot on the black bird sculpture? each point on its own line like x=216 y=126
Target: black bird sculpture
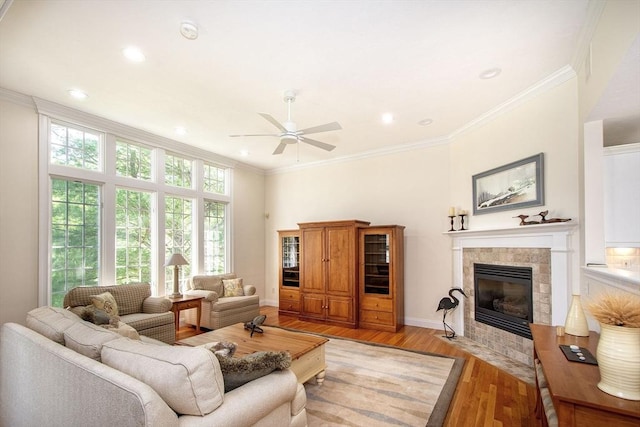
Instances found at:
x=447 y=304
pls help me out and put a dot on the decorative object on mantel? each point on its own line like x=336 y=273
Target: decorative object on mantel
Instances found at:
x=448 y=304
x=544 y=220
x=618 y=351
x=576 y=323
x=452 y=215
x=462 y=214
x=524 y=222
x=543 y=214
x=512 y=186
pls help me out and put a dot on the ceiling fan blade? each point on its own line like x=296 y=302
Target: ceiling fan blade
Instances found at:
x=280 y=148
x=322 y=128
x=273 y=121
x=318 y=144
x=255 y=134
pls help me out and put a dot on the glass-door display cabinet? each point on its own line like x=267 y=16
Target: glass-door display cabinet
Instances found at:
x=382 y=277
x=289 y=271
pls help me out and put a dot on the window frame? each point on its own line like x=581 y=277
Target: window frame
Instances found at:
x=109 y=181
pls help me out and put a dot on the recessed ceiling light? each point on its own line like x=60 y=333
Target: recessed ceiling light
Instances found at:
x=77 y=94
x=189 y=30
x=133 y=54
x=490 y=73
x=180 y=130
x=425 y=122
x=244 y=153
x=387 y=118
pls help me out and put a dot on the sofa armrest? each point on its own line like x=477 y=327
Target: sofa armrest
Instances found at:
x=273 y=390
x=156 y=305
x=249 y=290
x=210 y=296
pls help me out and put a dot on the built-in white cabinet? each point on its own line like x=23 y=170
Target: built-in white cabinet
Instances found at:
x=622 y=196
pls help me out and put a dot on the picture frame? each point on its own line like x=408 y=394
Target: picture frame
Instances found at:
x=513 y=186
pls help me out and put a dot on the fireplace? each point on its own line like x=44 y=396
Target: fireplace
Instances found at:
x=504 y=297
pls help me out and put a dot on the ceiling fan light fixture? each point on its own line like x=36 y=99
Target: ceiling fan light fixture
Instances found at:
x=289 y=139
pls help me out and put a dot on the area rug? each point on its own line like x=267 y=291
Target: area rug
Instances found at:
x=374 y=385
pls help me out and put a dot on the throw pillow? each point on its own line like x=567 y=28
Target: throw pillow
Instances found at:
x=105 y=301
x=237 y=371
x=233 y=287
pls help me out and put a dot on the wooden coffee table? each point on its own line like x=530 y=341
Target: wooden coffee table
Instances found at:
x=307 y=351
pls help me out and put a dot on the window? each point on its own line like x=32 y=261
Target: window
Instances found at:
x=214 y=237
x=178 y=232
x=177 y=171
x=75 y=236
x=214 y=179
x=74 y=147
x=133 y=236
x=106 y=225
x=133 y=160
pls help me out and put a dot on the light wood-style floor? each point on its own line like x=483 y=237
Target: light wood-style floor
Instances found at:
x=485 y=396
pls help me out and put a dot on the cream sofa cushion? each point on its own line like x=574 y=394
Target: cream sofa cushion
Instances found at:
x=87 y=339
x=187 y=378
x=51 y=322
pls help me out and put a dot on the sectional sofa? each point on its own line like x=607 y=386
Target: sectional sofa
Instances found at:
x=63 y=371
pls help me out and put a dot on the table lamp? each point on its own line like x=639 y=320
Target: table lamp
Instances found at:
x=176 y=260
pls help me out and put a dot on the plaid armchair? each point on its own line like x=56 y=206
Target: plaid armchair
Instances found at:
x=150 y=316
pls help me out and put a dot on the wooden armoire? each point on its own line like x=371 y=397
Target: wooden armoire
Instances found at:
x=329 y=271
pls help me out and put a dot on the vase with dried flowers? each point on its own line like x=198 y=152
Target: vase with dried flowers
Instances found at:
x=618 y=351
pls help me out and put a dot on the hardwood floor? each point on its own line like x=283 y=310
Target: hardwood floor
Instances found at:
x=485 y=396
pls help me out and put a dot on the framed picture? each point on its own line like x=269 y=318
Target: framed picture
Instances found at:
x=513 y=186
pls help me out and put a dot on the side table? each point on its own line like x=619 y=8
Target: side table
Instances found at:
x=183 y=303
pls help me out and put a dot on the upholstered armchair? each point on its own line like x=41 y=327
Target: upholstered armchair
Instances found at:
x=226 y=300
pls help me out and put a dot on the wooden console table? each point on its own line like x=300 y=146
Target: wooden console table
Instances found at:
x=573 y=385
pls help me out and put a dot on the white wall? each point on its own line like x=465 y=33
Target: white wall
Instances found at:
x=548 y=123
x=18 y=211
x=406 y=188
x=248 y=228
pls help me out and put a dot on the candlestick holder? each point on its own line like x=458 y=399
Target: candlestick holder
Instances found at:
x=451 y=217
x=461 y=222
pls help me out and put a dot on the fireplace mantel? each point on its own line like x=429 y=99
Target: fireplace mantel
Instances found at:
x=555 y=236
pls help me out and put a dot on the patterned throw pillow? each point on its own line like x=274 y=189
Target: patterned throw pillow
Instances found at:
x=105 y=302
x=233 y=287
x=238 y=371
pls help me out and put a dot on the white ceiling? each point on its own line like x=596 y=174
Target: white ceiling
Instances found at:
x=349 y=61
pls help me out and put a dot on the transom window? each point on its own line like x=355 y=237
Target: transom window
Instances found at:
x=75 y=147
x=133 y=160
x=111 y=221
x=214 y=179
x=177 y=171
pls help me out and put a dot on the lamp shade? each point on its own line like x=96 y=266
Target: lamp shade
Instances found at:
x=176 y=259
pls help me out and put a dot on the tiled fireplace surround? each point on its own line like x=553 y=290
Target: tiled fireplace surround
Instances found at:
x=546 y=248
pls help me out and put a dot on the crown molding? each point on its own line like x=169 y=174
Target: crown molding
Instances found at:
x=557 y=78
x=364 y=155
x=594 y=12
x=561 y=76
x=17 y=98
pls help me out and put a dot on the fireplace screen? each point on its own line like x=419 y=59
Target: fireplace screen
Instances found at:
x=503 y=297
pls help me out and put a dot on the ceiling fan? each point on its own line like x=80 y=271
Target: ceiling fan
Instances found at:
x=289 y=133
